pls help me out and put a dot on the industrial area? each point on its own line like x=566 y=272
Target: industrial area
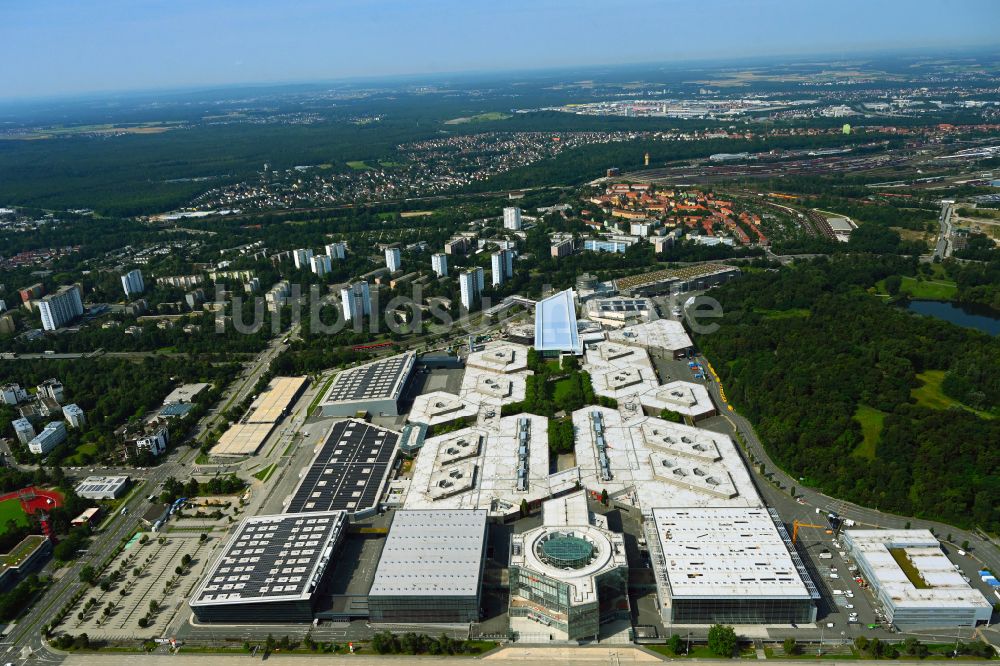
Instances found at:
x=420 y=493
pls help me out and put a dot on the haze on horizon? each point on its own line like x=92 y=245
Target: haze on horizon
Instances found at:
x=59 y=48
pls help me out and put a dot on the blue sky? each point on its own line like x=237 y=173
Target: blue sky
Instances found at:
x=63 y=47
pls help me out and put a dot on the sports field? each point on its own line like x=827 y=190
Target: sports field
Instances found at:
x=11 y=509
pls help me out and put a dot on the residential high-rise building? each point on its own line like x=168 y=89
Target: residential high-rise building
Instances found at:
x=336 y=250
x=393 y=261
x=563 y=248
x=12 y=394
x=51 y=436
x=74 y=415
x=503 y=266
x=356 y=301
x=132 y=283
x=51 y=388
x=470 y=285
x=320 y=264
x=439 y=262
x=302 y=257
x=24 y=430
x=512 y=218
x=61 y=307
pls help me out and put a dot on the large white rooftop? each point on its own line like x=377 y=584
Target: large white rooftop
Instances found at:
x=432 y=552
x=649 y=462
x=490 y=468
x=618 y=370
x=555 y=323
x=945 y=586
x=724 y=552
x=666 y=334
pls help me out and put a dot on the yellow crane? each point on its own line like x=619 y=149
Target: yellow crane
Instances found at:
x=796 y=525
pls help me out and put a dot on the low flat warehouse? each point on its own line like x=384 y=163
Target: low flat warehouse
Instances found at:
x=727 y=565
x=431 y=567
x=350 y=470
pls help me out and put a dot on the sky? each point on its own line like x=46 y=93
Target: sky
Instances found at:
x=68 y=47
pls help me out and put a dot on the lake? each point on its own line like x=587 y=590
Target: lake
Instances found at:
x=978 y=318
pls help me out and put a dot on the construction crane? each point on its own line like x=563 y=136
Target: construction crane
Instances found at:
x=796 y=525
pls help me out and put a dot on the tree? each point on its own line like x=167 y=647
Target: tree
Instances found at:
x=791 y=646
x=965 y=546
x=675 y=644
x=88 y=575
x=893 y=284
x=524 y=507
x=791 y=491
x=604 y=496
x=670 y=415
x=722 y=640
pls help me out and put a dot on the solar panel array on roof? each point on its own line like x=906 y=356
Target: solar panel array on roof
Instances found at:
x=272 y=558
x=380 y=379
x=623 y=305
x=349 y=471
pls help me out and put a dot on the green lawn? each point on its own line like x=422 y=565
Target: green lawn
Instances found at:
x=358 y=165
x=265 y=473
x=871 y=421
x=930 y=395
x=792 y=313
x=934 y=289
x=11 y=510
x=904 y=562
x=84 y=454
x=561 y=388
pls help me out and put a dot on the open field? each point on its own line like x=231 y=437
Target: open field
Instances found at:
x=871 y=427
x=927 y=290
x=930 y=395
x=11 y=509
x=489 y=117
x=791 y=313
x=358 y=165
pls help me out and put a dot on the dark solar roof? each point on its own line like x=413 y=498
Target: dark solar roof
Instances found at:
x=271 y=558
x=176 y=409
x=348 y=471
x=380 y=379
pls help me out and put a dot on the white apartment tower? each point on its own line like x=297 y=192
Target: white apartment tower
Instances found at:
x=74 y=416
x=356 y=301
x=302 y=257
x=503 y=266
x=393 y=260
x=439 y=262
x=320 y=264
x=24 y=430
x=132 y=283
x=61 y=307
x=512 y=218
x=470 y=285
x=336 y=250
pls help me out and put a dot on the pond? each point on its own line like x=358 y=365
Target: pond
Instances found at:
x=979 y=318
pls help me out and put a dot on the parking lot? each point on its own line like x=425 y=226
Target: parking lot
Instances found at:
x=142 y=586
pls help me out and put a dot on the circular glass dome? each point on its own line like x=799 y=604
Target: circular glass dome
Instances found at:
x=566 y=551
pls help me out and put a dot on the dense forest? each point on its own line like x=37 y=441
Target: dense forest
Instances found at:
x=864 y=400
